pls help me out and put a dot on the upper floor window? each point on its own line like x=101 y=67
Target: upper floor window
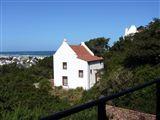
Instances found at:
x=81 y=73
x=65 y=65
x=65 y=81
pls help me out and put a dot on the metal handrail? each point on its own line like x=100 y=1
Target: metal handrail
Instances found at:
x=101 y=103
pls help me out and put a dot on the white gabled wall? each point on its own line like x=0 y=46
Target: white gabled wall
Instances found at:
x=130 y=31
x=66 y=54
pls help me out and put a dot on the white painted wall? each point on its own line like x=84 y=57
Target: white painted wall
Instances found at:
x=94 y=66
x=66 y=54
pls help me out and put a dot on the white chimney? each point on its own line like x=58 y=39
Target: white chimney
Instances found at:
x=64 y=40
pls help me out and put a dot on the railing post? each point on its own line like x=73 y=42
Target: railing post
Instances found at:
x=102 y=110
x=158 y=101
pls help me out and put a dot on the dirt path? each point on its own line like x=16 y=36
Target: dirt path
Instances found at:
x=116 y=113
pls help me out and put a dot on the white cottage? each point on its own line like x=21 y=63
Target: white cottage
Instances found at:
x=76 y=66
x=130 y=31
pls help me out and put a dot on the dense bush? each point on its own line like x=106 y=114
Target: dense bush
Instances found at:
x=19 y=99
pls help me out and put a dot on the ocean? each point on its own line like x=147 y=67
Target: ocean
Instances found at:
x=27 y=53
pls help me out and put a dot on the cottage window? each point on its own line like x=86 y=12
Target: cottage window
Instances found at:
x=65 y=80
x=81 y=73
x=90 y=71
x=64 y=65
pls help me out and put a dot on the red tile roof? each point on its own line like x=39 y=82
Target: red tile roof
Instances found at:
x=84 y=54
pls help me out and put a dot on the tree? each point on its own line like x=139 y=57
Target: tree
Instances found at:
x=98 y=45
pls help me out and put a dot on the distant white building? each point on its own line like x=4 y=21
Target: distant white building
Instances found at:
x=130 y=31
x=76 y=66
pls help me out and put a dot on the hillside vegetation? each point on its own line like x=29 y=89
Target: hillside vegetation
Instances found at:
x=130 y=61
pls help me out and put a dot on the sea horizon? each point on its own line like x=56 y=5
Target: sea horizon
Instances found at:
x=27 y=53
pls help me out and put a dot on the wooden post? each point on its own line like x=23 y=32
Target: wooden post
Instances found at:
x=158 y=101
x=102 y=110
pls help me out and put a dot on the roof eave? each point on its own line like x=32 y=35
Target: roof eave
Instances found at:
x=95 y=60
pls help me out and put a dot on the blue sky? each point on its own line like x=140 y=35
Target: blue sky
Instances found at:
x=29 y=25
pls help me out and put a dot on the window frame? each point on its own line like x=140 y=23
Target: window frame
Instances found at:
x=64 y=83
x=63 y=65
x=80 y=73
